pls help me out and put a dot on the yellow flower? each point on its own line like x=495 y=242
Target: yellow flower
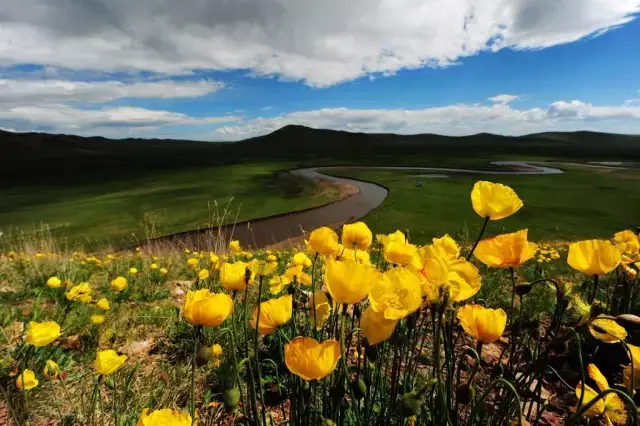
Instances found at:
x=51 y=370
x=322 y=306
x=103 y=304
x=118 y=284
x=203 y=274
x=80 y=293
x=375 y=327
x=193 y=262
x=626 y=369
x=108 y=362
x=359 y=256
x=356 y=235
x=348 y=281
x=494 y=200
x=323 y=241
x=611 y=406
x=27 y=380
x=262 y=268
x=216 y=349
x=297 y=273
x=400 y=253
x=301 y=259
x=396 y=294
x=187 y=251
x=133 y=271
x=614 y=332
x=272 y=258
x=42 y=333
x=154 y=266
x=385 y=240
x=232 y=276
x=97 y=319
x=447 y=247
x=483 y=324
x=273 y=314
x=593 y=257
x=277 y=283
x=164 y=417
x=627 y=242
x=307 y=358
x=201 y=307
x=164 y=271
x=506 y=250
x=234 y=246
x=54 y=282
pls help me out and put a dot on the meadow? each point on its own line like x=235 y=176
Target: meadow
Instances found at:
x=351 y=328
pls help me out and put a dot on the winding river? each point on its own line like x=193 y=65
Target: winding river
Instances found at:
x=277 y=229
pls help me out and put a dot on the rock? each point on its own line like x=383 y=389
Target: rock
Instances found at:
x=490 y=354
x=137 y=348
x=72 y=342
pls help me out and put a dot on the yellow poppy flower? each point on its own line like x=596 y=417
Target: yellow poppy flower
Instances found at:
x=26 y=380
x=297 y=273
x=193 y=262
x=164 y=271
x=611 y=406
x=54 y=282
x=396 y=294
x=323 y=241
x=216 y=349
x=494 y=200
x=506 y=250
x=97 y=319
x=42 y=333
x=232 y=276
x=359 y=256
x=80 y=293
x=277 y=284
x=164 y=417
x=203 y=274
x=108 y=361
x=153 y=266
x=400 y=253
x=103 y=304
x=322 y=307
x=483 y=324
x=51 y=370
x=626 y=370
x=593 y=257
x=273 y=314
x=301 y=259
x=118 y=284
x=202 y=307
x=447 y=246
x=627 y=242
x=385 y=240
x=375 y=327
x=234 y=247
x=356 y=235
x=614 y=332
x=348 y=281
x=133 y=271
x=262 y=268
x=310 y=360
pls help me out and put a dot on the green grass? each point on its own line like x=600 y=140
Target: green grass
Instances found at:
x=581 y=203
x=99 y=213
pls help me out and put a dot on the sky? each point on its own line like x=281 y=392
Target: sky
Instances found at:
x=220 y=70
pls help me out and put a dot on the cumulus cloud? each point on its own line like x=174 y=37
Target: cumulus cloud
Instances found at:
x=503 y=99
x=451 y=120
x=26 y=92
x=321 y=42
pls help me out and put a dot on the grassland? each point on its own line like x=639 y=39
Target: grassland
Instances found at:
x=119 y=211
x=582 y=203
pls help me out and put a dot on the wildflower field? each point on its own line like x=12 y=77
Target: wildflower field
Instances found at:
x=350 y=328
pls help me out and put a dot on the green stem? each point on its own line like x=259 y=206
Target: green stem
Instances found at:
x=595 y=289
x=484 y=226
x=6 y=398
x=480 y=404
x=115 y=400
x=256 y=351
x=344 y=363
x=313 y=296
x=193 y=375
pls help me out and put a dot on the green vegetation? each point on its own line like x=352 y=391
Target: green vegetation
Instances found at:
x=582 y=203
x=99 y=213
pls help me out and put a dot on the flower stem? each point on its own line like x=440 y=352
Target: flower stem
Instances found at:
x=484 y=226
x=193 y=374
x=256 y=352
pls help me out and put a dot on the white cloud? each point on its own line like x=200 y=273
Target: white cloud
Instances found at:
x=65 y=118
x=38 y=92
x=322 y=42
x=451 y=120
x=503 y=99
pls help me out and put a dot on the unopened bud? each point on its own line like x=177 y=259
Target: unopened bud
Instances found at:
x=204 y=355
x=465 y=393
x=291 y=290
x=523 y=288
x=597 y=308
x=410 y=404
x=629 y=321
x=231 y=398
x=371 y=352
x=359 y=388
x=326 y=422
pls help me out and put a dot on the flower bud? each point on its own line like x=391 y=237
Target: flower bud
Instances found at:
x=371 y=352
x=359 y=388
x=498 y=371
x=410 y=404
x=291 y=290
x=231 y=398
x=523 y=288
x=204 y=355
x=326 y=422
x=597 y=308
x=629 y=321
x=465 y=393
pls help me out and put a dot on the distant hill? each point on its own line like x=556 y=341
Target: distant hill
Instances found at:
x=37 y=156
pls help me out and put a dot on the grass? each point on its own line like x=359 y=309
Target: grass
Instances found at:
x=582 y=203
x=117 y=211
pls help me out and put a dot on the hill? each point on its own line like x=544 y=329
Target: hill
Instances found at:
x=37 y=156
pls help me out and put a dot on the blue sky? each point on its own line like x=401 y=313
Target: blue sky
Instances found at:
x=232 y=70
